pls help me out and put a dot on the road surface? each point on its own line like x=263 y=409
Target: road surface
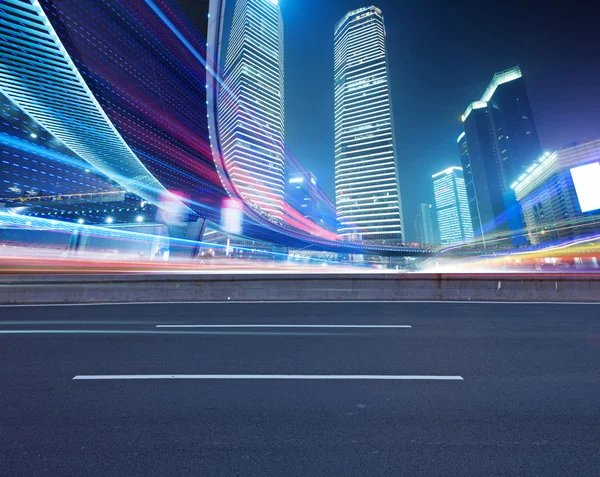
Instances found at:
x=376 y=389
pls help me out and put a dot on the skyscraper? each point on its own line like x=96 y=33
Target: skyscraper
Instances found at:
x=251 y=105
x=454 y=217
x=424 y=225
x=366 y=177
x=484 y=177
x=500 y=142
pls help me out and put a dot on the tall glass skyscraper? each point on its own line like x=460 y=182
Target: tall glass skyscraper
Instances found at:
x=366 y=177
x=454 y=217
x=251 y=105
x=500 y=142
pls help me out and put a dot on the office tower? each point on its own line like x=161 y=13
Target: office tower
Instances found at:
x=424 y=225
x=499 y=144
x=367 y=190
x=560 y=194
x=452 y=205
x=251 y=105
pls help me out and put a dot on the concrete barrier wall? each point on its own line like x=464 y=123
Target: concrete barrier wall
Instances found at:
x=177 y=288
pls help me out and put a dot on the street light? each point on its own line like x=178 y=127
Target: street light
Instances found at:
x=109 y=220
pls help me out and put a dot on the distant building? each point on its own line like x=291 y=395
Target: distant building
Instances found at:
x=560 y=194
x=366 y=176
x=251 y=106
x=454 y=217
x=424 y=225
x=303 y=194
x=500 y=141
x=299 y=195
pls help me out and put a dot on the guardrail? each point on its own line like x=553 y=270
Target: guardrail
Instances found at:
x=145 y=288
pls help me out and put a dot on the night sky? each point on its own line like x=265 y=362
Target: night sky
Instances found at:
x=442 y=55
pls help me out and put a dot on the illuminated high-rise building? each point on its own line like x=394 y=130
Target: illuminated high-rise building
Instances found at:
x=559 y=194
x=251 y=105
x=366 y=177
x=499 y=144
x=454 y=217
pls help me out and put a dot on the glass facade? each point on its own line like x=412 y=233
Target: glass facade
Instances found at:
x=452 y=205
x=500 y=141
x=367 y=191
x=251 y=106
x=486 y=185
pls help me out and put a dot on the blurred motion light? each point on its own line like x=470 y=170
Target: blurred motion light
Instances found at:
x=232 y=214
x=33 y=136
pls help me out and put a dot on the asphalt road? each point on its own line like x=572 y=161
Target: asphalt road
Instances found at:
x=528 y=404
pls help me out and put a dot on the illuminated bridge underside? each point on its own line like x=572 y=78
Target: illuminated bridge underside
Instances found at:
x=37 y=74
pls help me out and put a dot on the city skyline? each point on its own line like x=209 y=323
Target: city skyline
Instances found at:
x=563 y=99
x=177 y=300
x=511 y=156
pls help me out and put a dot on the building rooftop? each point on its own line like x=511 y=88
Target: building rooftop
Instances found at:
x=500 y=78
x=566 y=156
x=357 y=12
x=533 y=168
x=450 y=170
